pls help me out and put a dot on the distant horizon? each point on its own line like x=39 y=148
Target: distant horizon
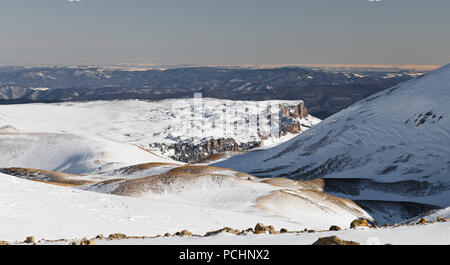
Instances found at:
x=419 y=67
x=215 y=32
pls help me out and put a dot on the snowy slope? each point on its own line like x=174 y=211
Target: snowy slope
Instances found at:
x=392 y=146
x=68 y=153
x=52 y=212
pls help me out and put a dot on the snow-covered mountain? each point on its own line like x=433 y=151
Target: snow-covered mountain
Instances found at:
x=186 y=130
x=388 y=151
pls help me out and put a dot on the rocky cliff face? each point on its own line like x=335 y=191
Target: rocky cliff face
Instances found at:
x=192 y=153
x=294 y=119
x=291 y=116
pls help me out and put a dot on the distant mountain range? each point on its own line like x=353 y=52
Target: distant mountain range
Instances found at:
x=324 y=92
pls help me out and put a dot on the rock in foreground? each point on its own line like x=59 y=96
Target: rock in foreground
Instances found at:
x=333 y=240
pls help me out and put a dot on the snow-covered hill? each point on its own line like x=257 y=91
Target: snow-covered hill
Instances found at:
x=169 y=199
x=68 y=153
x=392 y=146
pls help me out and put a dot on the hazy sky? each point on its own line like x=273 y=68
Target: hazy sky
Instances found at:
x=225 y=31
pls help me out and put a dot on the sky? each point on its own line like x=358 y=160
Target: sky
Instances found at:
x=224 y=32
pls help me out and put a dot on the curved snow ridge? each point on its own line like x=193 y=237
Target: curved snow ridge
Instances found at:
x=399 y=134
x=69 y=153
x=221 y=188
x=311 y=207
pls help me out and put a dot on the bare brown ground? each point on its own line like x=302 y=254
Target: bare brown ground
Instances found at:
x=46 y=176
x=316 y=184
x=184 y=174
x=135 y=168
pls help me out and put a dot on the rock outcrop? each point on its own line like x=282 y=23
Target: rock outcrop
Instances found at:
x=117 y=236
x=294 y=111
x=333 y=240
x=185 y=233
x=187 y=151
x=192 y=153
x=261 y=229
x=335 y=228
x=359 y=223
x=30 y=240
x=422 y=221
x=224 y=230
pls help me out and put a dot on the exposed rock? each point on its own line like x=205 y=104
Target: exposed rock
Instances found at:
x=117 y=236
x=188 y=152
x=244 y=233
x=30 y=240
x=442 y=219
x=167 y=235
x=294 y=111
x=185 y=233
x=335 y=228
x=290 y=115
x=87 y=242
x=192 y=153
x=4 y=243
x=333 y=240
x=422 y=221
x=359 y=223
x=100 y=237
x=260 y=228
x=83 y=242
x=283 y=230
x=225 y=229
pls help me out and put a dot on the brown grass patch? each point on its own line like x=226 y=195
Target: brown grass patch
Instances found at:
x=140 y=167
x=46 y=176
x=316 y=184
